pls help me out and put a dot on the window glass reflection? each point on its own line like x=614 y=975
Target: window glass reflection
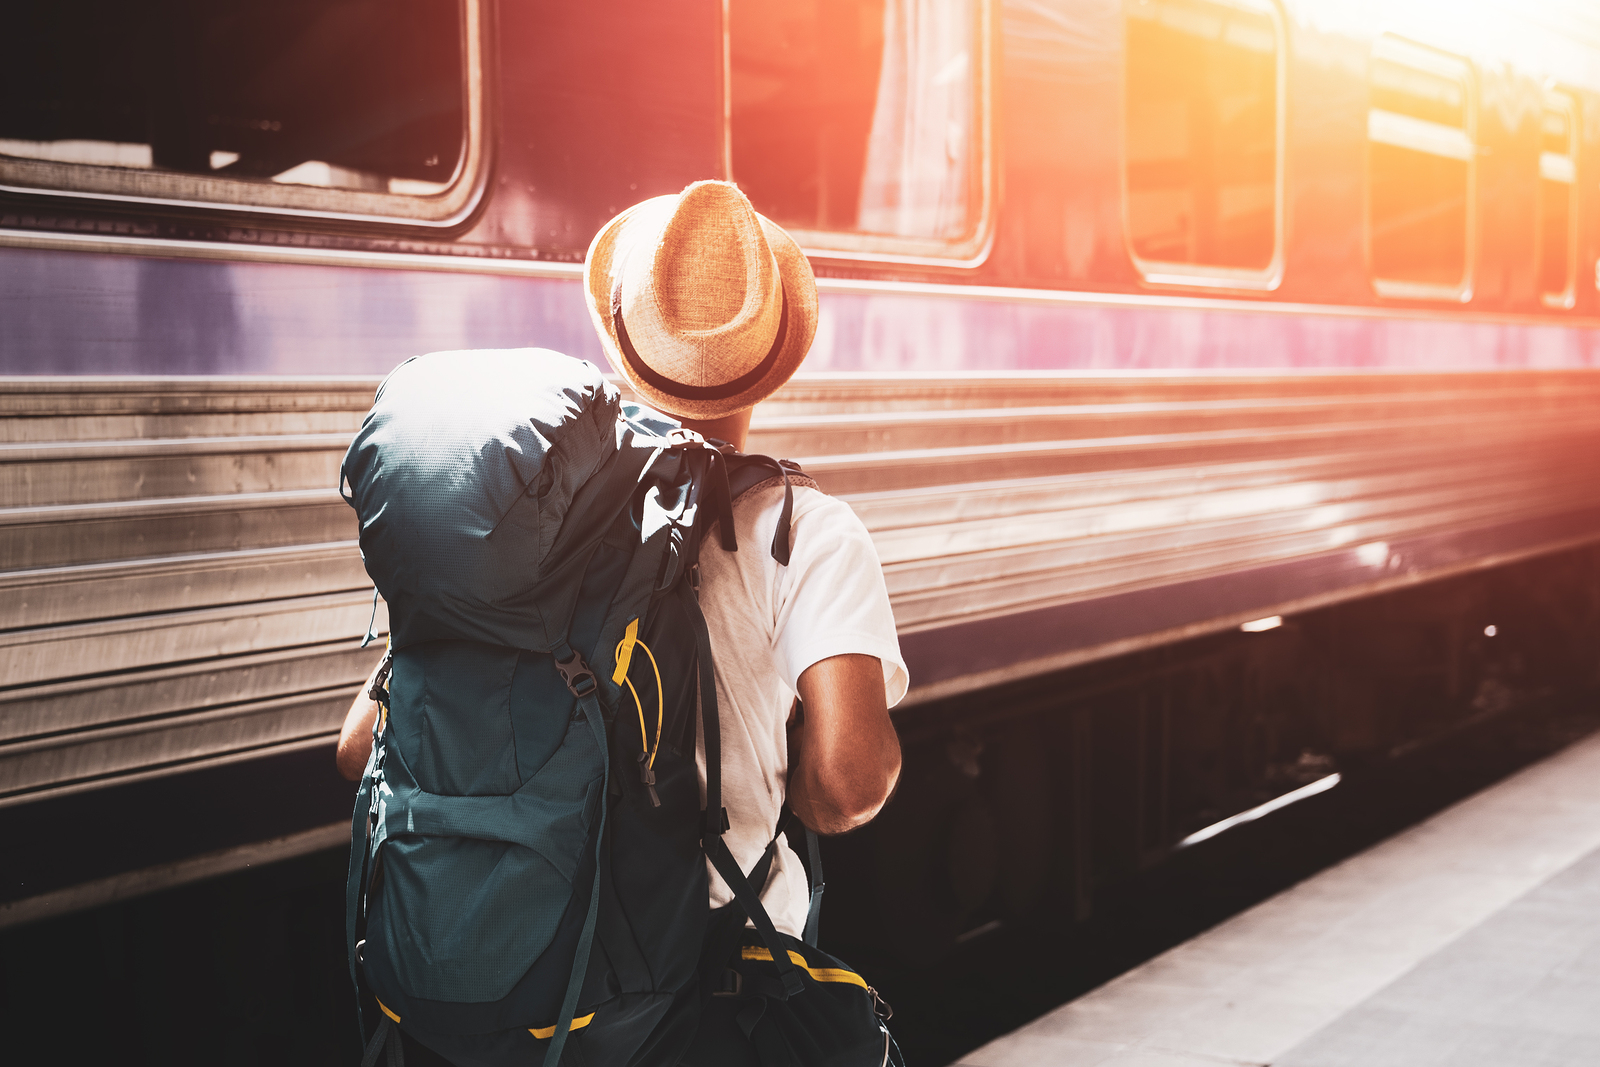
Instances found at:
x=1558 y=187
x=1420 y=155
x=1202 y=126
x=859 y=117
x=345 y=94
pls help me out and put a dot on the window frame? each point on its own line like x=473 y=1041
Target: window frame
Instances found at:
x=969 y=250
x=199 y=191
x=1403 y=52
x=1558 y=100
x=1199 y=275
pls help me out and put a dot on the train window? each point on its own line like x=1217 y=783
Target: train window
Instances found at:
x=365 y=108
x=1558 y=201
x=1421 y=152
x=863 y=126
x=1203 y=141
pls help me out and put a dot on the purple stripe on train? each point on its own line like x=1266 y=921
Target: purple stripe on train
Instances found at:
x=86 y=313
x=91 y=313
x=889 y=332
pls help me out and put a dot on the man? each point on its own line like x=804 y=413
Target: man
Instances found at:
x=706 y=308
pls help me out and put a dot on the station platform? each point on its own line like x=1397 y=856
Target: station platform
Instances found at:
x=1470 y=939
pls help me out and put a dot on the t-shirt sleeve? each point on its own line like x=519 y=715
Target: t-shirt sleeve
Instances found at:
x=831 y=598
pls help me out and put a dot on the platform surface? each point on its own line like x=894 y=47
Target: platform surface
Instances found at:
x=1470 y=939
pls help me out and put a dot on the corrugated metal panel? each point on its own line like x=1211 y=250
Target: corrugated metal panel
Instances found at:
x=140 y=529
x=179 y=584
x=48 y=653
x=56 y=595
x=1011 y=498
x=174 y=743
x=62 y=708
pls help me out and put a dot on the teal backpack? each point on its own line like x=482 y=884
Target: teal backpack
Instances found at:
x=528 y=851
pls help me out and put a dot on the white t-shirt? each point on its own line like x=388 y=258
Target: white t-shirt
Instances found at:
x=768 y=623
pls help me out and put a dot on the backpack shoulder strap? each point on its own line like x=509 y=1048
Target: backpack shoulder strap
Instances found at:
x=729 y=475
x=583 y=684
x=715 y=816
x=751 y=473
x=813 y=871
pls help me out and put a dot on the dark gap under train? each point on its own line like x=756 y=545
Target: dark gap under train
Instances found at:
x=1032 y=851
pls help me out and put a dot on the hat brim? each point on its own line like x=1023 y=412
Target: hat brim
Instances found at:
x=800 y=290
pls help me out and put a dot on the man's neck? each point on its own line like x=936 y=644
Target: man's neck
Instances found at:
x=731 y=428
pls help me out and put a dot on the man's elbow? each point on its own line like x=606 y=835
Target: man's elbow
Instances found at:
x=858 y=811
x=856 y=802
x=350 y=762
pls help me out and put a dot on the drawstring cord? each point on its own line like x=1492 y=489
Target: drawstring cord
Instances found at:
x=647 y=751
x=372 y=634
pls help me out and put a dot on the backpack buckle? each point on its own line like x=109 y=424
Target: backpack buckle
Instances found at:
x=576 y=673
x=379 y=689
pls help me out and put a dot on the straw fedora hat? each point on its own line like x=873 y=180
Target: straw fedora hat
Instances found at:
x=703 y=305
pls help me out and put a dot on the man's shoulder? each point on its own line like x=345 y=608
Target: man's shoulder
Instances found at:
x=819 y=524
x=758 y=478
x=762 y=505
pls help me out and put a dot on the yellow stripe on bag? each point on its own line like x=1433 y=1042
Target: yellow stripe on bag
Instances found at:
x=821 y=974
x=544 y=1032
x=630 y=637
x=384 y=1008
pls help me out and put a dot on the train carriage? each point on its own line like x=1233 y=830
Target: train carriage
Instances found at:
x=1140 y=322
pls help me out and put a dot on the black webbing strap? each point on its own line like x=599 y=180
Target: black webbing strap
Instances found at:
x=780 y=536
x=712 y=827
x=581 y=681
x=356 y=877
x=750 y=901
x=814 y=910
x=711 y=499
x=386 y=1036
x=705 y=701
x=763 y=869
x=746 y=471
x=814 y=869
x=372 y=621
x=721 y=500
x=772 y=1047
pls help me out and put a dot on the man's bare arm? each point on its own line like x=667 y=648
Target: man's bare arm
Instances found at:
x=844 y=760
x=355 y=738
